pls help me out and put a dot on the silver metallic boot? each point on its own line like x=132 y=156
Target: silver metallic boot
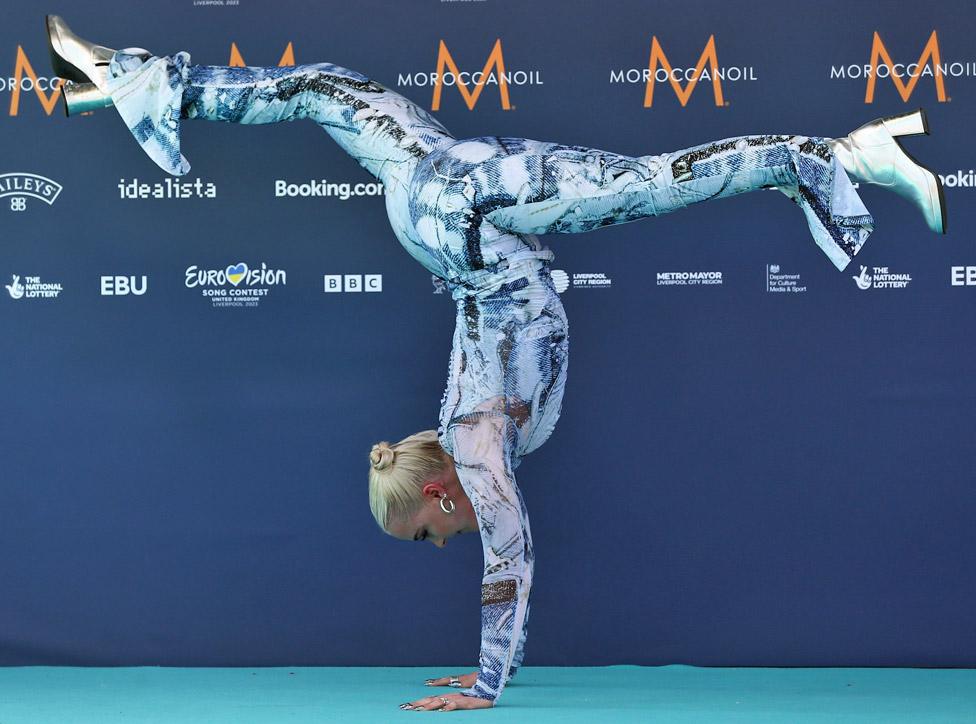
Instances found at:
x=83 y=63
x=872 y=154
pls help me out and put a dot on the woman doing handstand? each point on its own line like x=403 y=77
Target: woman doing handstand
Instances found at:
x=468 y=211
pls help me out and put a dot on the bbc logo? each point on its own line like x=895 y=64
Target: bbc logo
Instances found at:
x=353 y=283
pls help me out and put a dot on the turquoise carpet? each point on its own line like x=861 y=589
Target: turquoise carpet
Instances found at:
x=609 y=695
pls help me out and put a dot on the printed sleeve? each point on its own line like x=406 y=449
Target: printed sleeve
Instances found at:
x=483 y=462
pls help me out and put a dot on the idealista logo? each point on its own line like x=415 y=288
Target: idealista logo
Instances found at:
x=905 y=76
x=881 y=278
x=352 y=283
x=19 y=185
x=494 y=72
x=237 y=285
x=660 y=70
x=32 y=288
x=121 y=286
x=168 y=188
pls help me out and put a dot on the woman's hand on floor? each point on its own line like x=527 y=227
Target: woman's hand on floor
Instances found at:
x=448 y=702
x=466 y=681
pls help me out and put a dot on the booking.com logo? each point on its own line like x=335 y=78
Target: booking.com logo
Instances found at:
x=324 y=189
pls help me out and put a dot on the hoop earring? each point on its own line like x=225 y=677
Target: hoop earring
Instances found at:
x=449 y=501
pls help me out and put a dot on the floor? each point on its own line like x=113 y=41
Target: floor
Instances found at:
x=606 y=694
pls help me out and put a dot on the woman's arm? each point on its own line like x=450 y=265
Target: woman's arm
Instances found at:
x=481 y=444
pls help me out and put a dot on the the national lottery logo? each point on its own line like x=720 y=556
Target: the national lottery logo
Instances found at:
x=689 y=278
x=20 y=186
x=32 y=288
x=780 y=282
x=237 y=285
x=879 y=277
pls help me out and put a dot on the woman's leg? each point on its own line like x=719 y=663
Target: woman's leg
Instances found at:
x=532 y=187
x=378 y=127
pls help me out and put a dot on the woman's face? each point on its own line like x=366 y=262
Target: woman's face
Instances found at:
x=431 y=522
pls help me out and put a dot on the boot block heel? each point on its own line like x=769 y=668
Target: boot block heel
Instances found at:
x=83 y=98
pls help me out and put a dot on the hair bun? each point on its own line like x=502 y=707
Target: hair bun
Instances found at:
x=381 y=456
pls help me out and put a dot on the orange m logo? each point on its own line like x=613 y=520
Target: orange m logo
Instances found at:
x=237 y=60
x=658 y=57
x=929 y=52
x=495 y=59
x=21 y=67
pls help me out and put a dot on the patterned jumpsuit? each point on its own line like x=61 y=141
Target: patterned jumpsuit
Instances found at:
x=468 y=211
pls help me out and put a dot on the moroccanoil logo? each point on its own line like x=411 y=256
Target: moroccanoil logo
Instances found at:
x=25 y=80
x=905 y=76
x=707 y=69
x=471 y=84
x=25 y=83
x=237 y=60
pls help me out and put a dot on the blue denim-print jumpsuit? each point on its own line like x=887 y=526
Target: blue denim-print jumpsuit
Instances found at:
x=468 y=211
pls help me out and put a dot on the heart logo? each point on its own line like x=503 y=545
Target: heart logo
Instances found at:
x=236 y=273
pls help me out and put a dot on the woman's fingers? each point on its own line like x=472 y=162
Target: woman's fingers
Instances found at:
x=448 y=702
x=442 y=681
x=459 y=681
x=428 y=703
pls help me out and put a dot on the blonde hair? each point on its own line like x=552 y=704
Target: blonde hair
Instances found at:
x=398 y=472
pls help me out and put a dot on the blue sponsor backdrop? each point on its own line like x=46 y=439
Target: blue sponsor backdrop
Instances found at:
x=740 y=476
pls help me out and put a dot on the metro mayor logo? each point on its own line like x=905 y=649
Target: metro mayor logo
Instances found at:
x=448 y=74
x=660 y=70
x=683 y=279
x=929 y=65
